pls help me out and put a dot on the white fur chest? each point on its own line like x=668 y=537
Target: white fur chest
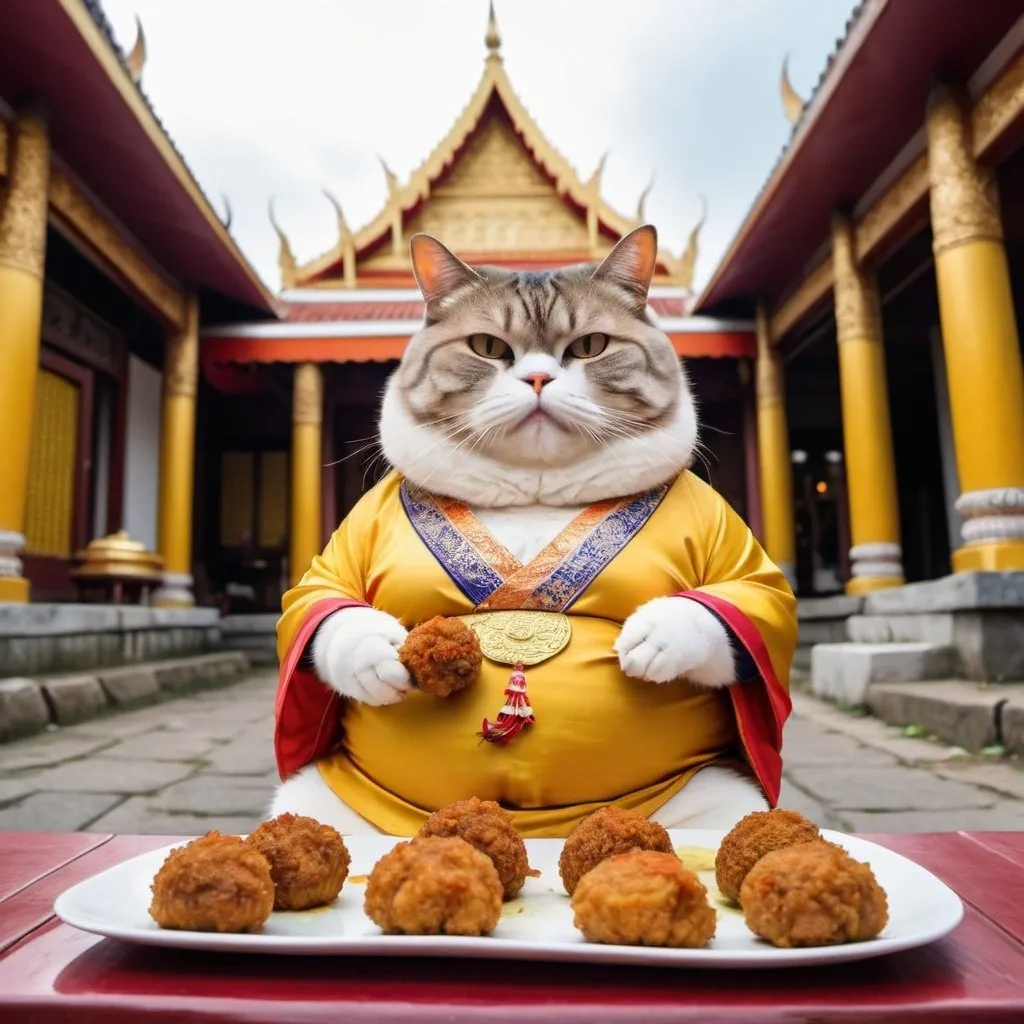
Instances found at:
x=526 y=529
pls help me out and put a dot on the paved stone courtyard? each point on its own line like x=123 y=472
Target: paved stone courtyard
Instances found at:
x=206 y=761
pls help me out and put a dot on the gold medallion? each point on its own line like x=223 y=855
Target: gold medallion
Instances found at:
x=520 y=637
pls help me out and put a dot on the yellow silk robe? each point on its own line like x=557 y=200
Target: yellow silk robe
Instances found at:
x=600 y=737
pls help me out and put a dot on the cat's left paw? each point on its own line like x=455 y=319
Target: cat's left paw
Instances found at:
x=673 y=638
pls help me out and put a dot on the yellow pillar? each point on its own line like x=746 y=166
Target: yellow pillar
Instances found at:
x=875 y=555
x=774 y=455
x=307 y=468
x=22 y=261
x=979 y=334
x=177 y=460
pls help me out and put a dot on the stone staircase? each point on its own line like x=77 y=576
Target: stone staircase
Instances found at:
x=946 y=655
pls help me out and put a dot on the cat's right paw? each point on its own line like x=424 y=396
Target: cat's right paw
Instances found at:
x=355 y=652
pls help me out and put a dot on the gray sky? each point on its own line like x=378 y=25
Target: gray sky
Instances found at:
x=267 y=97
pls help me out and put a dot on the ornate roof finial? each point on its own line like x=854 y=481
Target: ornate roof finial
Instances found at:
x=227 y=212
x=345 y=242
x=640 y=213
x=285 y=256
x=792 y=105
x=689 y=258
x=136 y=60
x=493 y=37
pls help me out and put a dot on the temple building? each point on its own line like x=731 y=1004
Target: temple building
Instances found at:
x=883 y=263
x=496 y=192
x=856 y=352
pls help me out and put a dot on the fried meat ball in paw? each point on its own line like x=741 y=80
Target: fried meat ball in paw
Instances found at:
x=442 y=656
x=603 y=834
x=213 y=884
x=644 y=898
x=813 y=894
x=751 y=838
x=308 y=861
x=435 y=885
x=487 y=826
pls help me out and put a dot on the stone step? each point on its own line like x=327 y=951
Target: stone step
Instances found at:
x=31 y=705
x=914 y=629
x=255 y=634
x=843 y=672
x=970 y=715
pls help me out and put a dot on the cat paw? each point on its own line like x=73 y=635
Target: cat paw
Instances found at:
x=355 y=652
x=673 y=638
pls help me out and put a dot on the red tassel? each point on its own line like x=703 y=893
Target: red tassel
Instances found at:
x=515 y=716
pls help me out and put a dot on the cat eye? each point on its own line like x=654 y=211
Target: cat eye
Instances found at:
x=490 y=347
x=588 y=346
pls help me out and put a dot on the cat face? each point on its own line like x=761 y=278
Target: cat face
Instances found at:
x=556 y=372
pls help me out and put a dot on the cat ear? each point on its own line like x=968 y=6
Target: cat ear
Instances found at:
x=438 y=271
x=630 y=265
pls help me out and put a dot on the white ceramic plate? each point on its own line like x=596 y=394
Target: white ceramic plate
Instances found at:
x=538 y=925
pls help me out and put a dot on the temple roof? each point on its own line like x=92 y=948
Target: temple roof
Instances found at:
x=105 y=131
x=862 y=122
x=495 y=190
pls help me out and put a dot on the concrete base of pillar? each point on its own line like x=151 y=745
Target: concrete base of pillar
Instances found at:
x=860 y=585
x=13 y=590
x=991 y=556
x=175 y=591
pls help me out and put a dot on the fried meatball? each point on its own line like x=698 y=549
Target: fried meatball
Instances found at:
x=435 y=885
x=213 y=884
x=644 y=898
x=308 y=861
x=603 y=834
x=487 y=826
x=751 y=838
x=813 y=894
x=442 y=656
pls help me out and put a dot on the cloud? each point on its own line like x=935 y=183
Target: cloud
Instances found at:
x=265 y=98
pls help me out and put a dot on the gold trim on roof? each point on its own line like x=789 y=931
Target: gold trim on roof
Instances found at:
x=402 y=199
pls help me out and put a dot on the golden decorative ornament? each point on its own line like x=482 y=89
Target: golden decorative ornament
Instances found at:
x=792 y=105
x=964 y=195
x=858 y=308
x=688 y=261
x=285 y=256
x=136 y=60
x=520 y=637
x=23 y=221
x=117 y=555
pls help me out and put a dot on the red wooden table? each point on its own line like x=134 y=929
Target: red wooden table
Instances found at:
x=50 y=972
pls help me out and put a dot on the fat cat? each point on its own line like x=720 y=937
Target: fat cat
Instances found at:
x=539 y=423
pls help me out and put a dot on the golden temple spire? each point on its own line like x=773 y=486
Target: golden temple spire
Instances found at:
x=136 y=60
x=688 y=261
x=792 y=105
x=285 y=256
x=346 y=242
x=493 y=38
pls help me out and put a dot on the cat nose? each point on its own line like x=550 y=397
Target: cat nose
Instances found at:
x=538 y=380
